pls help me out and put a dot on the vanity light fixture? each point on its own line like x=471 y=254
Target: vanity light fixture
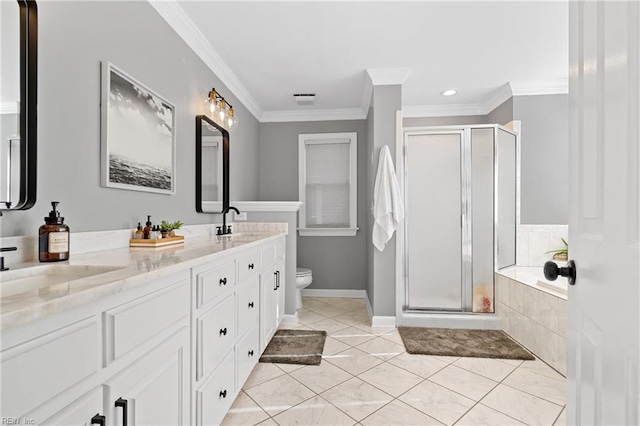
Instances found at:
x=449 y=92
x=219 y=112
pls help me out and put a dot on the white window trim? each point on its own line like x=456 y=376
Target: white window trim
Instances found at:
x=308 y=139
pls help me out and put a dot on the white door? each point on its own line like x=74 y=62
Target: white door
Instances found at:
x=604 y=303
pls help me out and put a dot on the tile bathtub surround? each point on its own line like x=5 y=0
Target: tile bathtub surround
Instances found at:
x=535 y=318
x=367 y=378
x=534 y=241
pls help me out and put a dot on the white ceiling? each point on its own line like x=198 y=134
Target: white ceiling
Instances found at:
x=274 y=49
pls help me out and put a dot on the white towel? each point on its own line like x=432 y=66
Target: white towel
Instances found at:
x=388 y=210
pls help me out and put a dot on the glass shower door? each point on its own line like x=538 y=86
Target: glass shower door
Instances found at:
x=433 y=233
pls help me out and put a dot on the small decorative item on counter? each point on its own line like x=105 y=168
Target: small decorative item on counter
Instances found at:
x=147 y=228
x=170 y=227
x=138 y=234
x=563 y=253
x=53 y=237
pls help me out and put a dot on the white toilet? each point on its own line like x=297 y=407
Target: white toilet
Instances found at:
x=303 y=279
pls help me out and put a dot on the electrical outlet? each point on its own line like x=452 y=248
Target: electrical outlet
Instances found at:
x=240 y=216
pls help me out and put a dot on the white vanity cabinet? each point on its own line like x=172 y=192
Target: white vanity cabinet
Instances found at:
x=272 y=279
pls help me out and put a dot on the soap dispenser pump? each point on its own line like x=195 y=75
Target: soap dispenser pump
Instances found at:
x=54 y=237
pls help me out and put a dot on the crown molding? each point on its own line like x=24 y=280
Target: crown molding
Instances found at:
x=442 y=110
x=367 y=93
x=554 y=86
x=8 y=107
x=499 y=97
x=387 y=76
x=313 y=115
x=177 y=19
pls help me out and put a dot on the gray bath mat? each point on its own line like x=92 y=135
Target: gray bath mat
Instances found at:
x=295 y=347
x=462 y=342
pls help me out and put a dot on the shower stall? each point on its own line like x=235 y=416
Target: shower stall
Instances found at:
x=460 y=226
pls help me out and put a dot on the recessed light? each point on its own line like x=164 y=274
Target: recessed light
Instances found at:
x=449 y=92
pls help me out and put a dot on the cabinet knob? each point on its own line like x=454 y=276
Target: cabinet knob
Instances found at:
x=223 y=331
x=98 y=420
x=223 y=281
x=251 y=266
x=121 y=402
x=251 y=352
x=251 y=304
x=223 y=394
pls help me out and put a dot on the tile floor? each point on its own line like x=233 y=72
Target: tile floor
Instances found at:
x=367 y=378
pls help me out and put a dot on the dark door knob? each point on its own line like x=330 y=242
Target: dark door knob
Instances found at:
x=552 y=270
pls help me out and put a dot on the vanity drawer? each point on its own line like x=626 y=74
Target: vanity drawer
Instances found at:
x=43 y=368
x=247 y=354
x=216 y=334
x=248 y=306
x=135 y=322
x=215 y=397
x=213 y=282
x=247 y=265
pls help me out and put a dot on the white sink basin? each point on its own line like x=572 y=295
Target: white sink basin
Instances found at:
x=53 y=277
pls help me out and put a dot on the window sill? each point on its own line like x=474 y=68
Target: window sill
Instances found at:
x=327 y=232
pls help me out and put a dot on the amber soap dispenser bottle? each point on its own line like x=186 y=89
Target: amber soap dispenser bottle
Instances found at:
x=54 y=237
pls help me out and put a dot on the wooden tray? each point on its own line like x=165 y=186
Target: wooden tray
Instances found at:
x=179 y=239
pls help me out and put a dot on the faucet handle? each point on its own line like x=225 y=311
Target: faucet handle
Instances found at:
x=218 y=230
x=228 y=229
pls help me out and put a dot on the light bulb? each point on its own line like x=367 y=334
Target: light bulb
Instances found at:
x=233 y=122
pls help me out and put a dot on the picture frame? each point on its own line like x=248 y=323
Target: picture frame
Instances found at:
x=138 y=135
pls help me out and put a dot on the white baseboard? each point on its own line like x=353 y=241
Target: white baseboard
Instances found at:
x=290 y=319
x=380 y=321
x=312 y=292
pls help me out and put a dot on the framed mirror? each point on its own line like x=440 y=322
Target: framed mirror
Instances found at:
x=18 y=104
x=212 y=166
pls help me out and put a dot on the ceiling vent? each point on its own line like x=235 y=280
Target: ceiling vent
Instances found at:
x=304 y=98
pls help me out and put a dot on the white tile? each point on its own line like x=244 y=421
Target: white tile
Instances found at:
x=438 y=402
x=545 y=387
x=262 y=372
x=485 y=416
x=490 y=368
x=541 y=368
x=357 y=398
x=353 y=361
x=549 y=312
x=522 y=406
x=244 y=412
x=562 y=419
x=394 y=336
x=329 y=325
x=321 y=377
x=381 y=348
x=503 y=283
x=505 y=319
x=563 y=318
x=531 y=339
x=268 y=422
x=549 y=350
x=531 y=302
x=377 y=331
x=326 y=310
x=288 y=368
x=352 y=336
x=397 y=413
x=391 y=379
x=518 y=326
x=464 y=382
x=516 y=296
x=307 y=317
x=522 y=242
x=315 y=411
x=538 y=242
x=333 y=346
x=562 y=356
x=422 y=365
x=354 y=318
x=279 y=394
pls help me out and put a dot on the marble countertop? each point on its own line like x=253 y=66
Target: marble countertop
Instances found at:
x=114 y=270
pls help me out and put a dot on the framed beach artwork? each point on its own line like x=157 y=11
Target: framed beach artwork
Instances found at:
x=138 y=135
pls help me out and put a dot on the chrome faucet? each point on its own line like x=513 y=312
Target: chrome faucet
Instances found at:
x=227 y=230
x=2 y=267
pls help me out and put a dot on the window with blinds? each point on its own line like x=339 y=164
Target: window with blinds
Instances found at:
x=328 y=183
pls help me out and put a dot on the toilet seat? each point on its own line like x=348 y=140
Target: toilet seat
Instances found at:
x=303 y=272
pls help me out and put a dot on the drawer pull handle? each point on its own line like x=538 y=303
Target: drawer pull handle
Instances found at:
x=251 y=304
x=98 y=420
x=278 y=280
x=120 y=402
x=223 y=394
x=275 y=281
x=223 y=281
x=251 y=266
x=251 y=352
x=223 y=331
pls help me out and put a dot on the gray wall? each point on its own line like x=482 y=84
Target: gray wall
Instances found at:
x=336 y=262
x=444 y=121
x=74 y=37
x=382 y=272
x=545 y=158
x=502 y=114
